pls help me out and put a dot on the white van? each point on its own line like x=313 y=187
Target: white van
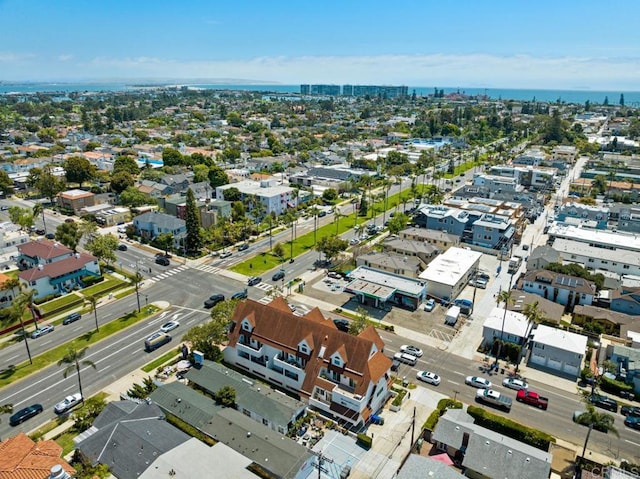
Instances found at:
x=406 y=358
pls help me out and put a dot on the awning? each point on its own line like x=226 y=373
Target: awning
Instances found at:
x=443 y=458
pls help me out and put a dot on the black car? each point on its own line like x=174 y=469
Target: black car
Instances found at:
x=633 y=411
x=40 y=231
x=240 y=295
x=243 y=247
x=50 y=236
x=26 y=413
x=122 y=247
x=73 y=317
x=163 y=261
x=632 y=422
x=213 y=300
x=278 y=276
x=254 y=280
x=395 y=365
x=342 y=324
x=163 y=255
x=604 y=402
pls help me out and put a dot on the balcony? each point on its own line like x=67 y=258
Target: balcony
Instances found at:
x=281 y=361
x=248 y=347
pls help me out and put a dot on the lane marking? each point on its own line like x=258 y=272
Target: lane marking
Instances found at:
x=453 y=382
x=631 y=442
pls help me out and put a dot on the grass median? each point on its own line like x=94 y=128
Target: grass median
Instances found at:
x=13 y=373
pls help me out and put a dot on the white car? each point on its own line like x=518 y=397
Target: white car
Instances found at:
x=478 y=382
x=513 y=383
x=47 y=328
x=170 y=326
x=68 y=403
x=430 y=305
x=226 y=254
x=412 y=350
x=428 y=377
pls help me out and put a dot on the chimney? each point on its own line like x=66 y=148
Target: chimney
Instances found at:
x=57 y=472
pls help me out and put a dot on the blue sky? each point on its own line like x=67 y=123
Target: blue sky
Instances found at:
x=561 y=44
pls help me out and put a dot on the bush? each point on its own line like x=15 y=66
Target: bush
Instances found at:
x=614 y=387
x=397 y=401
x=512 y=429
x=46 y=298
x=443 y=405
x=364 y=441
x=91 y=280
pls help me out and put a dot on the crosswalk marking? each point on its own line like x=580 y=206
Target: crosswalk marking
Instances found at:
x=265 y=300
x=208 y=268
x=264 y=286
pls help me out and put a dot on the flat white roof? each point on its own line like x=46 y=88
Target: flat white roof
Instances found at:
x=627 y=241
x=560 y=339
x=567 y=247
x=250 y=187
x=514 y=323
x=451 y=266
x=405 y=285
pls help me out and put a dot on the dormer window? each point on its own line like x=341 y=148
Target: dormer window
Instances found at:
x=337 y=361
x=303 y=349
x=246 y=325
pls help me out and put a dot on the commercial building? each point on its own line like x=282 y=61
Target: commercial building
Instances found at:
x=530 y=177
x=391 y=263
x=75 y=200
x=511 y=327
x=448 y=274
x=330 y=90
x=382 y=290
x=375 y=90
x=346 y=377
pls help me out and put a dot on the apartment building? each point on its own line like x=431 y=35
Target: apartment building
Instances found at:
x=346 y=377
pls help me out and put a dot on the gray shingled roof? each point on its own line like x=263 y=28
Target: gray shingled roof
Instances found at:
x=130 y=444
x=267 y=448
x=419 y=467
x=183 y=402
x=259 y=398
x=161 y=220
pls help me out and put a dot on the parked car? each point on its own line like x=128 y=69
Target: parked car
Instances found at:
x=254 y=280
x=213 y=300
x=342 y=324
x=25 y=413
x=410 y=349
x=240 y=295
x=243 y=247
x=4 y=208
x=633 y=411
x=226 y=254
x=428 y=377
x=169 y=326
x=604 y=402
x=68 y=403
x=395 y=365
x=122 y=247
x=69 y=220
x=484 y=276
x=50 y=236
x=277 y=276
x=322 y=214
x=40 y=231
x=73 y=317
x=478 y=382
x=633 y=422
x=430 y=305
x=494 y=398
x=47 y=328
x=334 y=275
x=163 y=261
x=163 y=255
x=516 y=384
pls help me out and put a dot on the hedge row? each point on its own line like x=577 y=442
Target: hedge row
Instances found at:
x=614 y=387
x=364 y=441
x=443 y=405
x=512 y=429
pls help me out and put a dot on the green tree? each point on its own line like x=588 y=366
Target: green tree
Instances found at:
x=397 y=223
x=125 y=163
x=225 y=396
x=232 y=194
x=234 y=119
x=331 y=246
x=594 y=419
x=132 y=197
x=6 y=409
x=47 y=135
x=92 y=300
x=503 y=297
x=364 y=206
x=360 y=322
x=164 y=241
x=599 y=184
x=329 y=195
x=68 y=234
x=278 y=250
x=238 y=211
x=79 y=170
x=172 y=157
x=21 y=216
x=72 y=361
x=217 y=176
x=83 y=419
x=192 y=223
x=48 y=184
x=6 y=184
x=85 y=469
x=103 y=247
x=200 y=173
x=120 y=181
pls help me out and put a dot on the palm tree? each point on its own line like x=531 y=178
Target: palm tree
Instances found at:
x=73 y=360
x=6 y=408
x=17 y=312
x=503 y=297
x=595 y=419
x=386 y=184
x=314 y=211
x=93 y=301
x=38 y=209
x=534 y=316
x=10 y=286
x=336 y=217
x=25 y=299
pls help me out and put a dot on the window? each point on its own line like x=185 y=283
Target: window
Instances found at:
x=303 y=348
x=265 y=422
x=625 y=266
x=590 y=260
x=337 y=361
x=246 y=412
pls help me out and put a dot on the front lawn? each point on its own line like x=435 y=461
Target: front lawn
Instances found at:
x=61 y=303
x=108 y=284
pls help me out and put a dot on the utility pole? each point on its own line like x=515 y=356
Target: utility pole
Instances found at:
x=413 y=425
x=321 y=460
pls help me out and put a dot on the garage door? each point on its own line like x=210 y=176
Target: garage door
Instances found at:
x=570 y=369
x=555 y=364
x=537 y=359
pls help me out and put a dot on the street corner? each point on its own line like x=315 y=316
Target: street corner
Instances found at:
x=162 y=305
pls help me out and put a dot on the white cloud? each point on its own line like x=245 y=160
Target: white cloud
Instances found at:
x=65 y=58
x=470 y=70
x=9 y=57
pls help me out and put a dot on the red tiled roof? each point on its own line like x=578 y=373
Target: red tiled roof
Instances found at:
x=44 y=248
x=275 y=325
x=22 y=458
x=57 y=268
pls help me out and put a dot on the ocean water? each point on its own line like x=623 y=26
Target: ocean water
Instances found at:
x=631 y=98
